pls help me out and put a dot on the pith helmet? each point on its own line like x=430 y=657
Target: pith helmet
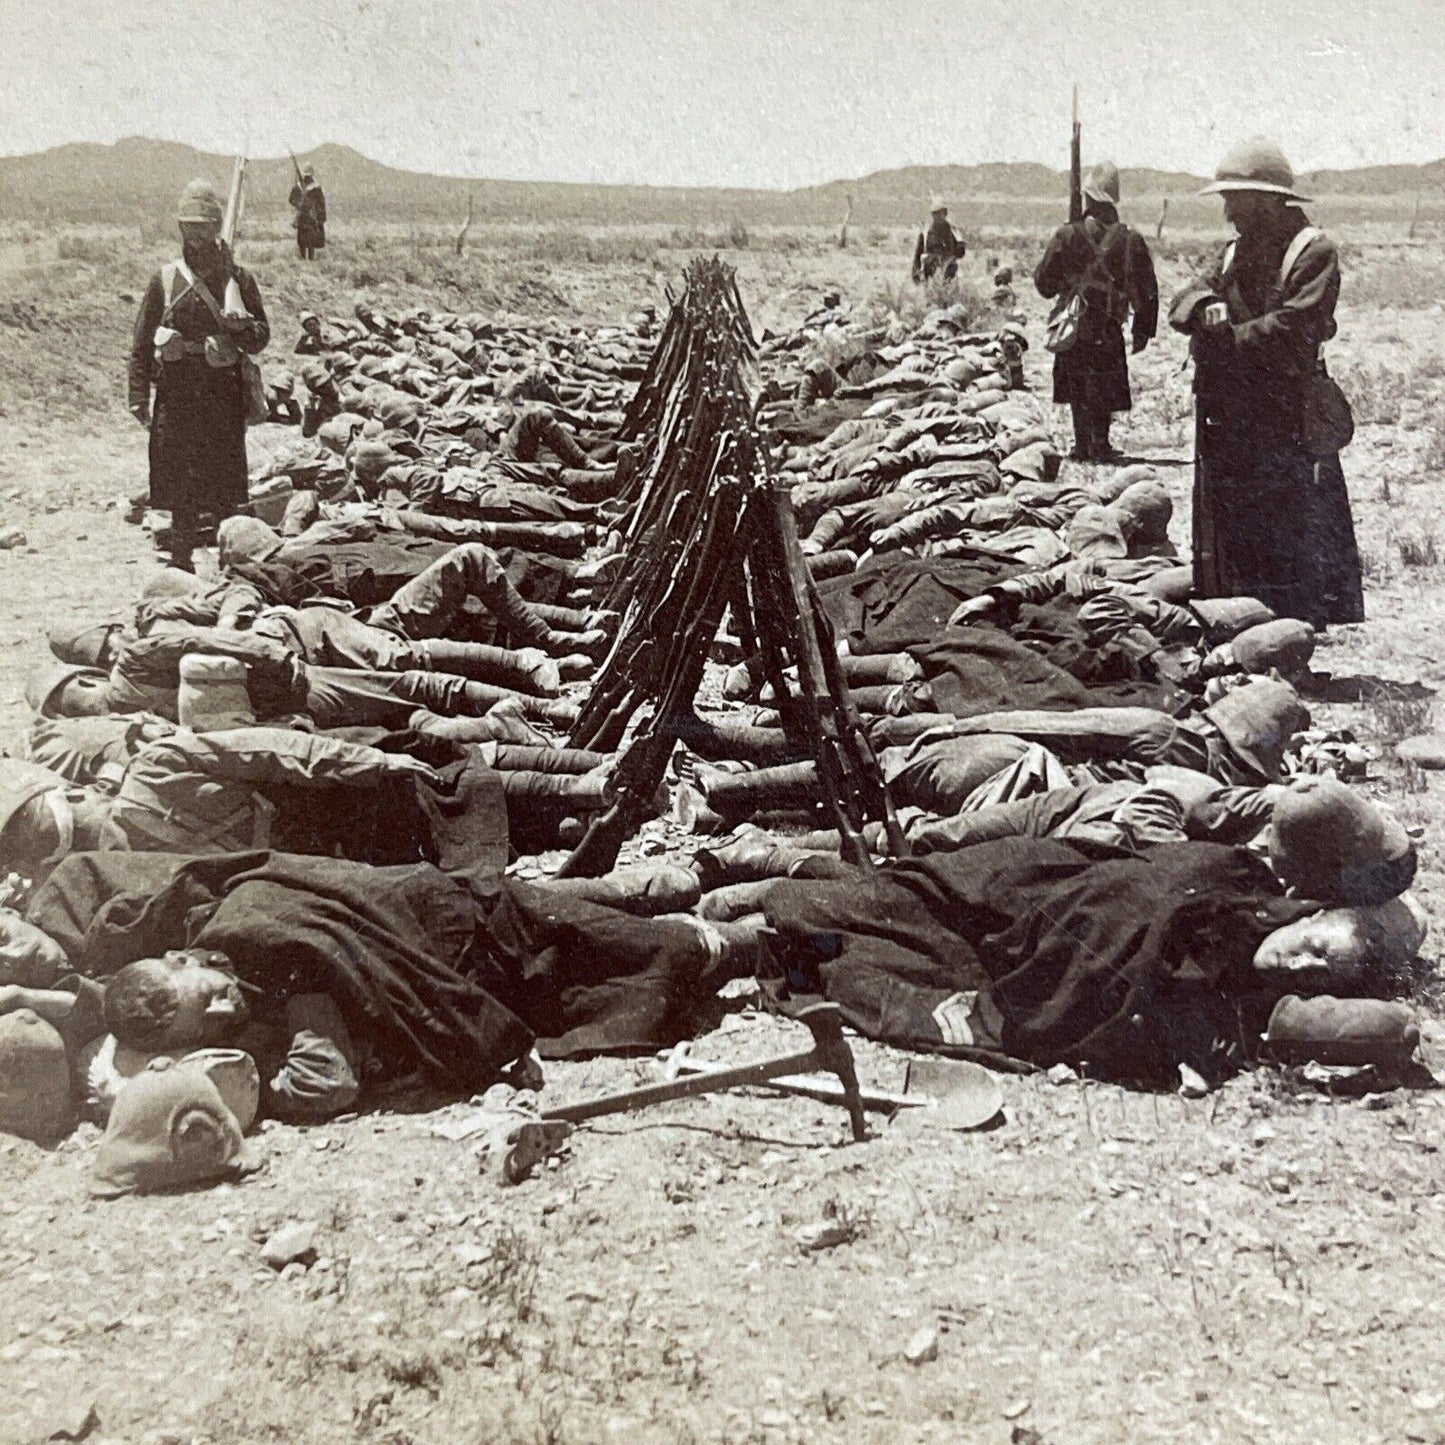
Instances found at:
x=1102 y=183
x=199 y=202
x=19 y=783
x=1329 y=842
x=34 y=1078
x=1255 y=165
x=937 y=204
x=88 y=646
x=1285 y=645
x=47 y=680
x=1258 y=720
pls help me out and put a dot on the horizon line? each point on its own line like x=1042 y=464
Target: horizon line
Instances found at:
x=673 y=186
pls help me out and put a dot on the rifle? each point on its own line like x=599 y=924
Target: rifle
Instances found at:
x=1076 y=167
x=235 y=204
x=296 y=166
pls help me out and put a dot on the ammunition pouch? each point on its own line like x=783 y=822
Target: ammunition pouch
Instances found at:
x=170 y=344
x=221 y=351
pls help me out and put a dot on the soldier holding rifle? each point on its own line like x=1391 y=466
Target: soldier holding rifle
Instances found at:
x=189 y=350
x=309 y=202
x=1102 y=269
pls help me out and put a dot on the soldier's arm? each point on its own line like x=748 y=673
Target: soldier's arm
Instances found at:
x=142 y=348
x=1185 y=308
x=239 y=604
x=1049 y=273
x=1143 y=293
x=254 y=334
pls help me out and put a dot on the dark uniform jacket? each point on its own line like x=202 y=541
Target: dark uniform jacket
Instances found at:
x=310 y=205
x=1251 y=469
x=198 y=418
x=1248 y=377
x=1117 y=274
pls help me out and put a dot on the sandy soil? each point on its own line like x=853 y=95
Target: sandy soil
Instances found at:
x=1266 y=1265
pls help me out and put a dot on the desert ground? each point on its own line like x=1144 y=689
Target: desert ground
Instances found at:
x=1266 y=1264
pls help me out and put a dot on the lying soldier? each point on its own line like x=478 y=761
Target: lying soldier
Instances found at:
x=1043 y=951
x=428 y=974
x=147 y=679
x=330 y=637
x=360 y=562
x=204 y=793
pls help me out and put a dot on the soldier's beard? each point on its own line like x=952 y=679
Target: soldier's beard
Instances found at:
x=200 y=253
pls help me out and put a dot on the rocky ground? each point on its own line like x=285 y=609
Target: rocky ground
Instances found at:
x=1266 y=1264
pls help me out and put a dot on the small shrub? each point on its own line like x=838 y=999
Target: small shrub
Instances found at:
x=1399 y=715
x=1432 y=455
x=1431 y=367
x=86 y=249
x=1418 y=549
x=1373 y=568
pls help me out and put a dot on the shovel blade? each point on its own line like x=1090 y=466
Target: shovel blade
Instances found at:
x=962 y=1095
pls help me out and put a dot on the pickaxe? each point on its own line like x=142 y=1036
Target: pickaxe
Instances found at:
x=830 y=1054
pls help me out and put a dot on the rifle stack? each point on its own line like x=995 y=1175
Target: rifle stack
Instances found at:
x=711 y=530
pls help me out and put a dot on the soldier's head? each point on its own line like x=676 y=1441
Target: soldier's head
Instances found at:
x=186 y=999
x=1343 y=950
x=1253 y=211
x=200 y=214
x=43 y=818
x=1257 y=184
x=69 y=689
x=1101 y=185
x=95 y=646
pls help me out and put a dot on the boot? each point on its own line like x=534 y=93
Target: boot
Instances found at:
x=1104 y=450
x=733 y=950
x=748 y=858
x=503 y=724
x=525 y=626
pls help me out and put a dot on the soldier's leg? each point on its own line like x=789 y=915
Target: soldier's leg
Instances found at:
x=526 y=669
x=427 y=605
x=535 y=429
x=183 y=537
x=346 y=697
x=1103 y=445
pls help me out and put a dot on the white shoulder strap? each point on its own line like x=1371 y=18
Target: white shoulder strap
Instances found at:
x=1228 y=259
x=172 y=274
x=1302 y=238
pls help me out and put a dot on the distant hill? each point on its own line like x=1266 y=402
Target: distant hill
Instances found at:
x=1376 y=180
x=138 y=179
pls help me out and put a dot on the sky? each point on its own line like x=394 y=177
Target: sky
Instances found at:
x=771 y=93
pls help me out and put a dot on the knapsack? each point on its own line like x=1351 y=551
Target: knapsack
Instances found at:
x=1067 y=319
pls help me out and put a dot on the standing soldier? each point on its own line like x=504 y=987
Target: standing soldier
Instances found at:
x=1271 y=512
x=190 y=351
x=309 y=203
x=1107 y=266
x=940 y=248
